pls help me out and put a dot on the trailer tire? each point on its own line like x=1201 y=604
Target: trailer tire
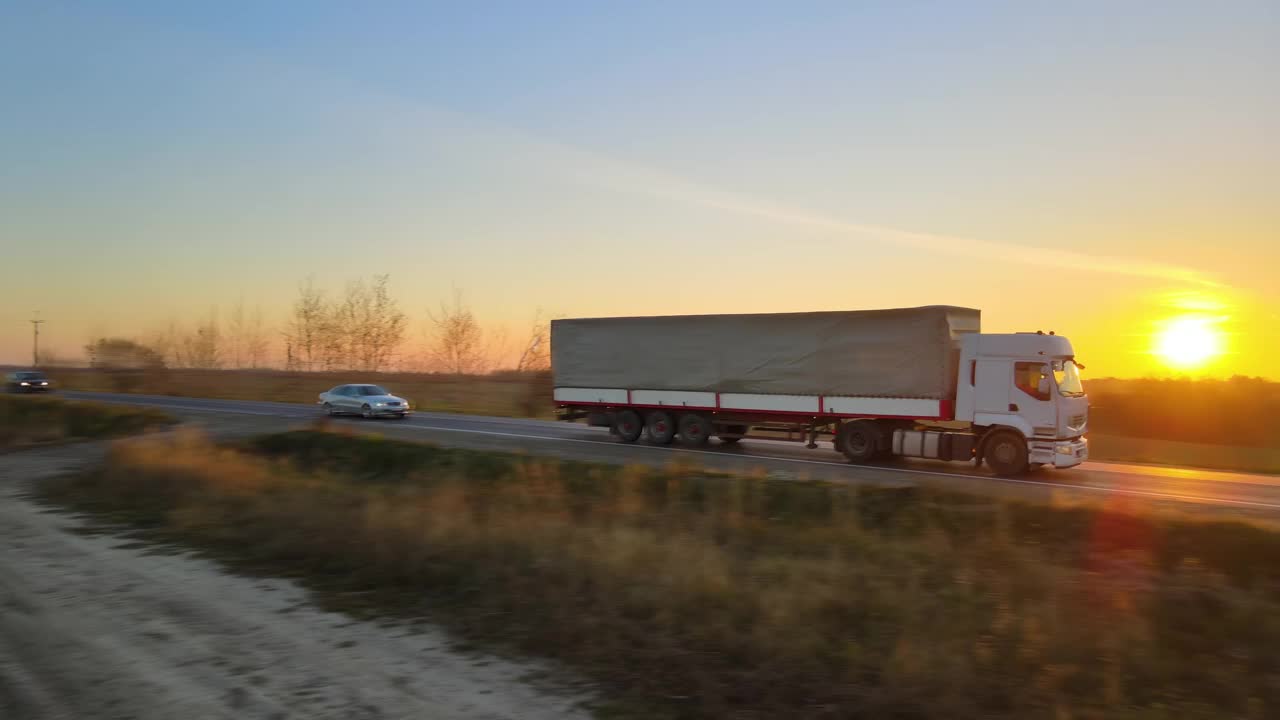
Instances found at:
x=695 y=430
x=859 y=440
x=628 y=425
x=662 y=429
x=1005 y=452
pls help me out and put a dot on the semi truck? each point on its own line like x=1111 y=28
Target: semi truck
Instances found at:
x=919 y=382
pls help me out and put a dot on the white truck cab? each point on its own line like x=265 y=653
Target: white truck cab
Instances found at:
x=1028 y=383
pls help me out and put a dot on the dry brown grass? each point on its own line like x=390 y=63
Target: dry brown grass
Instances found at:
x=700 y=596
x=31 y=420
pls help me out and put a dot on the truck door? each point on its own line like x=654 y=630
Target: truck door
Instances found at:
x=1032 y=397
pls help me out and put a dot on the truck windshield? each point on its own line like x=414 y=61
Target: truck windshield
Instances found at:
x=1067 y=375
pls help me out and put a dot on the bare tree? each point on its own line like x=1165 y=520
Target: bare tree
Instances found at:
x=203 y=346
x=308 y=331
x=237 y=329
x=256 y=339
x=536 y=349
x=167 y=344
x=362 y=329
x=125 y=361
x=457 y=342
x=382 y=325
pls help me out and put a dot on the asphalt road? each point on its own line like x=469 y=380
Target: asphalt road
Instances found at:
x=1113 y=484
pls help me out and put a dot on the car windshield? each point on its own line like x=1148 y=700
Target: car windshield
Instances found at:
x=30 y=376
x=1067 y=374
x=369 y=390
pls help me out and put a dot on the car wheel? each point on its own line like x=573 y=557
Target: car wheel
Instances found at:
x=402 y=416
x=328 y=410
x=366 y=412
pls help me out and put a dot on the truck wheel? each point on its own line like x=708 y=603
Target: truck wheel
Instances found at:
x=859 y=440
x=735 y=430
x=629 y=425
x=662 y=429
x=1006 y=454
x=695 y=430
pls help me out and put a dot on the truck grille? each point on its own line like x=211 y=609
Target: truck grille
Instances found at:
x=1076 y=422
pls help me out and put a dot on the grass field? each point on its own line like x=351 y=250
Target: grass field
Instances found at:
x=1207 y=423
x=1185 y=454
x=692 y=596
x=27 y=421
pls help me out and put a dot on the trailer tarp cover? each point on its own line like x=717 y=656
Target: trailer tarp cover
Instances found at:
x=909 y=352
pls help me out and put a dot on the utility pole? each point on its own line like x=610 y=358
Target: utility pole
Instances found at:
x=36 y=322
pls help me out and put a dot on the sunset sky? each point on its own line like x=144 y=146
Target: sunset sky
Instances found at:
x=1099 y=169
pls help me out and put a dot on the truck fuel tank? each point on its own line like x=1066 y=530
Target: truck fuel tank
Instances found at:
x=933 y=444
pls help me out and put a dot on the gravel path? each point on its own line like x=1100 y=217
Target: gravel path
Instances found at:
x=94 y=627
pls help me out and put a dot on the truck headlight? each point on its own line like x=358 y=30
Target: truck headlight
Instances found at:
x=1064 y=449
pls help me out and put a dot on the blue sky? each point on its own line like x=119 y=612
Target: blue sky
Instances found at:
x=666 y=157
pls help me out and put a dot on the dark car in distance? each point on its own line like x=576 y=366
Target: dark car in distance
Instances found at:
x=25 y=381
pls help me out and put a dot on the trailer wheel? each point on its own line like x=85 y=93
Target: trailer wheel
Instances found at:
x=859 y=440
x=628 y=425
x=735 y=434
x=1005 y=452
x=695 y=430
x=662 y=429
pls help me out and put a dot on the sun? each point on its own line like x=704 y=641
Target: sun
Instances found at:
x=1188 y=342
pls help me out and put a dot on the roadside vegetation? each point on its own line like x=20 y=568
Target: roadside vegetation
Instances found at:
x=693 y=596
x=27 y=421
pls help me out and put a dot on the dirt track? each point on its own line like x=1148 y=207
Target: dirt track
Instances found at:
x=92 y=627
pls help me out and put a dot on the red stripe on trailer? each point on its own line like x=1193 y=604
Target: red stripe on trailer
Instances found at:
x=947 y=409
x=717 y=401
x=628 y=397
x=821 y=404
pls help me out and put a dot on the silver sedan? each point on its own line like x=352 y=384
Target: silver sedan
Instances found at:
x=367 y=401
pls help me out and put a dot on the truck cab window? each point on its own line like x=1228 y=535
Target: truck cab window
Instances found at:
x=1032 y=378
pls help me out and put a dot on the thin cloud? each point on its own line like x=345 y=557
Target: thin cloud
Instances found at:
x=599 y=170
x=468 y=135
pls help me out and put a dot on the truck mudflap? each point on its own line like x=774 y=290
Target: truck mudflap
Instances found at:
x=1059 y=453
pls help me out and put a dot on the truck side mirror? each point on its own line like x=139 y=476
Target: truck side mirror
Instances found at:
x=1043 y=387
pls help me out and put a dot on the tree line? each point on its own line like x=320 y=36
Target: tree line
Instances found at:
x=360 y=328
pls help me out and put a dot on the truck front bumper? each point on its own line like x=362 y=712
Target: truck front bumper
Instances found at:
x=1060 y=453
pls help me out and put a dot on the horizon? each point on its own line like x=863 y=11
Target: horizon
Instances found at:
x=1104 y=172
